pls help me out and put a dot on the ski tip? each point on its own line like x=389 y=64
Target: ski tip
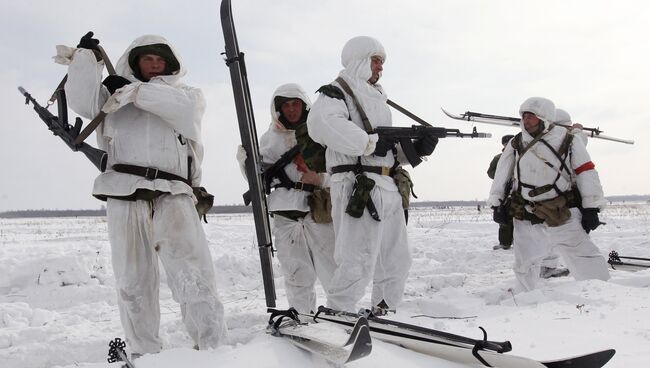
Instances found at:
x=225 y=9
x=593 y=360
x=600 y=358
x=361 y=322
x=609 y=352
x=446 y=112
x=363 y=344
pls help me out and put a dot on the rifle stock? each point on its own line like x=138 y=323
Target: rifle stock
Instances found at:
x=60 y=127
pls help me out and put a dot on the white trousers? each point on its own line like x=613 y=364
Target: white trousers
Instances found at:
x=368 y=251
x=306 y=253
x=168 y=228
x=533 y=243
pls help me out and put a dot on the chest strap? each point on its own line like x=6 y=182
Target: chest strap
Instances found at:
x=148 y=172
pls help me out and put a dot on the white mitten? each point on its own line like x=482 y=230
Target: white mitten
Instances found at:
x=63 y=54
x=241 y=158
x=121 y=97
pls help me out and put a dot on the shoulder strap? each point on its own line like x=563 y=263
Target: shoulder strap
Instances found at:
x=521 y=151
x=332 y=91
x=566 y=143
x=516 y=143
x=364 y=117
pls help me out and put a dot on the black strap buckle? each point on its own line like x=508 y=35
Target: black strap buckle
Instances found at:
x=151 y=173
x=299 y=185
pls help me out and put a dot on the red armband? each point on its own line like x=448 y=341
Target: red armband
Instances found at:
x=584 y=167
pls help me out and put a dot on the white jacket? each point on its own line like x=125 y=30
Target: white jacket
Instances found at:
x=534 y=170
x=158 y=123
x=337 y=124
x=276 y=141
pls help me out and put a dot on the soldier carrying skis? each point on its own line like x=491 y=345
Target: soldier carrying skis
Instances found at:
x=556 y=196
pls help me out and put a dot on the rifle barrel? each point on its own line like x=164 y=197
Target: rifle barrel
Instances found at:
x=60 y=127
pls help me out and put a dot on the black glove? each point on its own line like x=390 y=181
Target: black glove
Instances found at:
x=500 y=215
x=382 y=147
x=115 y=82
x=590 y=220
x=424 y=146
x=88 y=42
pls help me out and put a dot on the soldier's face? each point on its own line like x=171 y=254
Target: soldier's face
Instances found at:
x=530 y=121
x=292 y=110
x=376 y=66
x=151 y=66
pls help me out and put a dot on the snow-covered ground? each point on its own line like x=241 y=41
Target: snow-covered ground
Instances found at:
x=57 y=303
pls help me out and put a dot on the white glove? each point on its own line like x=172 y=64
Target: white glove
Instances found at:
x=372 y=143
x=121 y=97
x=63 y=54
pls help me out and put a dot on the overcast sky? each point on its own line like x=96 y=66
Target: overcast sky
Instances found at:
x=589 y=57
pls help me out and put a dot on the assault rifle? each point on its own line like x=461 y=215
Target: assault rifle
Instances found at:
x=273 y=171
x=405 y=136
x=60 y=127
x=478 y=117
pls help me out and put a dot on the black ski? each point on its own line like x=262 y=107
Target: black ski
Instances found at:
x=116 y=353
x=400 y=329
x=620 y=262
x=458 y=348
x=235 y=62
x=306 y=336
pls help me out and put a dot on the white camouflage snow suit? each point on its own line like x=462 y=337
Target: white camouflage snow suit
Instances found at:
x=366 y=250
x=155 y=124
x=538 y=167
x=305 y=248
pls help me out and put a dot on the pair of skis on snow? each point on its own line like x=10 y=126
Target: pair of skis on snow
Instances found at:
x=317 y=334
x=303 y=330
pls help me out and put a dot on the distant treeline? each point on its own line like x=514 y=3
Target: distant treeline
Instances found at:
x=246 y=209
x=102 y=212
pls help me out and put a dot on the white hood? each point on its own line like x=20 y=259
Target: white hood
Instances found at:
x=542 y=107
x=124 y=69
x=562 y=117
x=275 y=142
x=289 y=90
x=356 y=56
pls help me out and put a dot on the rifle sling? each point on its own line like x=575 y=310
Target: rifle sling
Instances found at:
x=407 y=113
x=90 y=128
x=364 y=117
x=55 y=94
x=100 y=117
x=358 y=168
